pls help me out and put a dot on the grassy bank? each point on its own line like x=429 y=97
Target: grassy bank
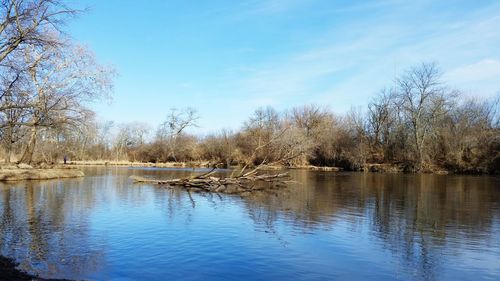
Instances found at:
x=138 y=164
x=14 y=173
x=194 y=164
x=368 y=167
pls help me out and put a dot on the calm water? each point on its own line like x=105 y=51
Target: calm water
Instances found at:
x=346 y=226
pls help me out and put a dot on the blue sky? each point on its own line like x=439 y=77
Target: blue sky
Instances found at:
x=226 y=58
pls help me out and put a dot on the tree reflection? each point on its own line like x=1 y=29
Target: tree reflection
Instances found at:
x=414 y=216
x=45 y=226
x=48 y=225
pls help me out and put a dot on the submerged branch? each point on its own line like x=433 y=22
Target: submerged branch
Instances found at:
x=208 y=183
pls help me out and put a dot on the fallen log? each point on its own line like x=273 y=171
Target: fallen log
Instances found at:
x=239 y=181
x=208 y=183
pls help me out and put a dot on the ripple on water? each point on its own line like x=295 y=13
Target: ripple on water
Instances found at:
x=349 y=226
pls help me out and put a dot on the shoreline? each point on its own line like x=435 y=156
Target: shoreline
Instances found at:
x=9 y=271
x=98 y=163
x=11 y=174
x=368 y=168
x=21 y=172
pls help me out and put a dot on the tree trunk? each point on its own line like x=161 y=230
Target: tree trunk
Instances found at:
x=8 y=146
x=30 y=147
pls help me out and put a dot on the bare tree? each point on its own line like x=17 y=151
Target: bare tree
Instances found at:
x=24 y=24
x=13 y=105
x=422 y=99
x=220 y=147
x=31 y=23
x=309 y=117
x=171 y=130
x=130 y=140
x=380 y=117
x=61 y=82
x=261 y=129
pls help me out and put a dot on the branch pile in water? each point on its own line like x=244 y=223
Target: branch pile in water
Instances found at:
x=206 y=182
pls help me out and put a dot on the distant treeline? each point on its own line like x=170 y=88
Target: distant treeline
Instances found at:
x=418 y=125
x=47 y=82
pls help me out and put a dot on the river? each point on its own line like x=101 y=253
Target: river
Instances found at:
x=324 y=226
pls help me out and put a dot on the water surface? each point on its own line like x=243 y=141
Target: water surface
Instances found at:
x=328 y=226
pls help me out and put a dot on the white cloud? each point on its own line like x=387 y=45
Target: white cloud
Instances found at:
x=487 y=69
x=347 y=72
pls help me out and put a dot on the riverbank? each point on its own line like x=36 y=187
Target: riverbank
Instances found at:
x=372 y=168
x=139 y=164
x=9 y=272
x=25 y=172
x=194 y=164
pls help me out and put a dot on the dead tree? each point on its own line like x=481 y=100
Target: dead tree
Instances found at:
x=30 y=22
x=240 y=180
x=173 y=128
x=207 y=182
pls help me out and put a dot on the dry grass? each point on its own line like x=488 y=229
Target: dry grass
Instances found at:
x=317 y=168
x=38 y=174
x=138 y=164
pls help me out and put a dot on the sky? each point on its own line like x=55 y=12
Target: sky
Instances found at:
x=226 y=58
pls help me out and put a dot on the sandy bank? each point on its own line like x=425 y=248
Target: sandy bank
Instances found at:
x=197 y=164
x=139 y=164
x=18 y=174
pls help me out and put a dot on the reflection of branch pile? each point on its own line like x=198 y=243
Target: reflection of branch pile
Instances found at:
x=247 y=182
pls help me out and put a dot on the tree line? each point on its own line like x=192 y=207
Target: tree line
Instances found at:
x=419 y=124
x=48 y=82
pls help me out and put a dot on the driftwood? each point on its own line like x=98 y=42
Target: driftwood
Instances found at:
x=207 y=182
x=238 y=181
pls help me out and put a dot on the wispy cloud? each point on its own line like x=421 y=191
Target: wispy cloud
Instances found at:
x=228 y=57
x=484 y=70
x=346 y=70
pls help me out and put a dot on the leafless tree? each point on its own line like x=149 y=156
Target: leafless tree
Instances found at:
x=309 y=117
x=13 y=105
x=220 y=147
x=61 y=82
x=30 y=23
x=130 y=140
x=422 y=99
x=380 y=117
x=172 y=129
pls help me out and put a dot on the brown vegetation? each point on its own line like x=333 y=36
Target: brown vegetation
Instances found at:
x=77 y=163
x=420 y=125
x=47 y=82
x=28 y=173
